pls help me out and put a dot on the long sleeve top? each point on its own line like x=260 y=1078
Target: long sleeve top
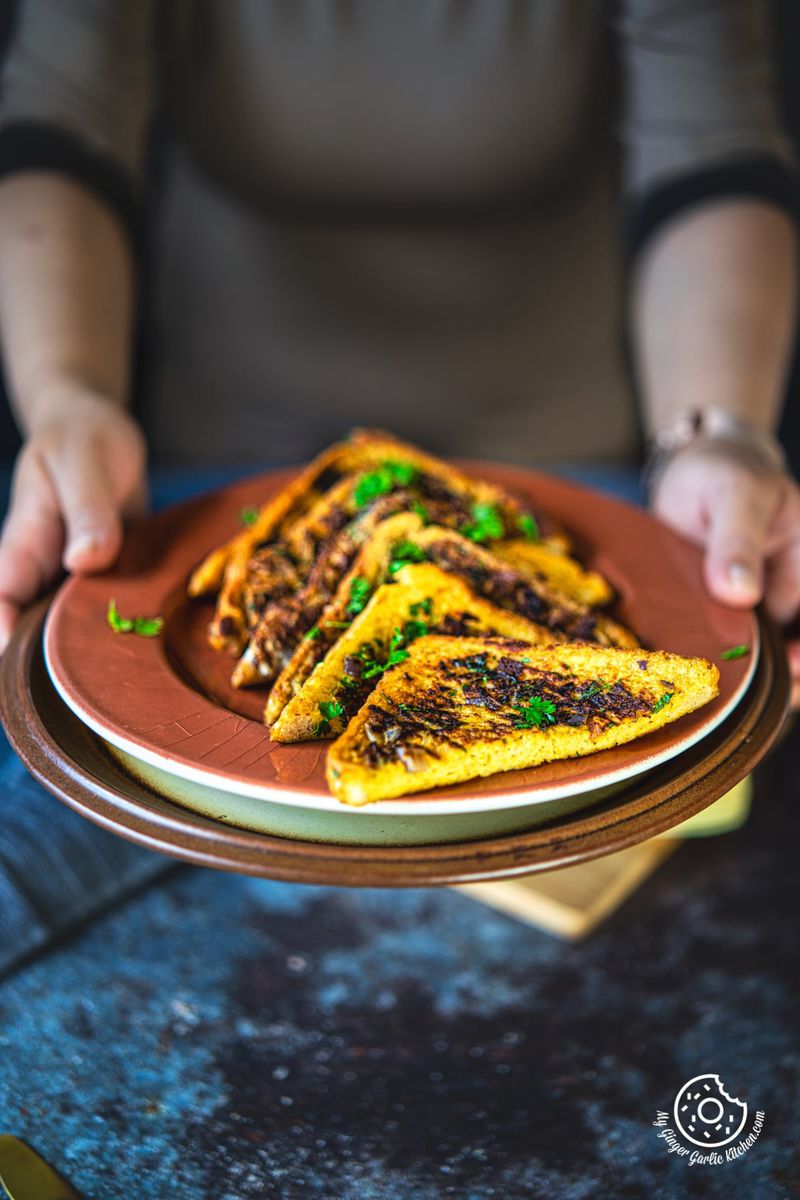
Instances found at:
x=414 y=215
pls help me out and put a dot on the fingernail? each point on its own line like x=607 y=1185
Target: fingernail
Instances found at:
x=84 y=543
x=741 y=577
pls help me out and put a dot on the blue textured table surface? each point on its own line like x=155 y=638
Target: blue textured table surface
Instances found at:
x=222 y=1037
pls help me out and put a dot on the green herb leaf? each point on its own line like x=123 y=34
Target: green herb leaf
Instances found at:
x=360 y=592
x=403 y=554
x=528 y=525
x=314 y=632
x=487 y=524
x=388 y=476
x=143 y=626
x=148 y=626
x=419 y=508
x=331 y=709
x=659 y=704
x=535 y=713
x=118 y=624
x=338 y=624
x=735 y=652
x=592 y=690
x=396 y=655
x=413 y=630
x=322 y=728
x=422 y=606
x=248 y=515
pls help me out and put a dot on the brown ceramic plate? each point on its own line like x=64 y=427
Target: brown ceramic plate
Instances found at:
x=69 y=760
x=167 y=701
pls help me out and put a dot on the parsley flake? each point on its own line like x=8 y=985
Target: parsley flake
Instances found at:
x=360 y=592
x=396 y=655
x=388 y=476
x=422 y=606
x=419 y=508
x=142 y=626
x=659 y=704
x=314 y=632
x=248 y=515
x=535 y=713
x=487 y=524
x=735 y=652
x=528 y=525
x=403 y=554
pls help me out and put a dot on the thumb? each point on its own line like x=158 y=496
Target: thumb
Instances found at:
x=737 y=539
x=89 y=506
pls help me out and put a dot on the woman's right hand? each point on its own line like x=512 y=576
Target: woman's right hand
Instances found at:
x=80 y=472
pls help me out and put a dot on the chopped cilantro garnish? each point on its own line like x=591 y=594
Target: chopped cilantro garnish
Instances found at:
x=143 y=626
x=422 y=606
x=487 y=523
x=592 y=690
x=330 y=709
x=405 y=552
x=360 y=592
x=735 y=652
x=248 y=515
x=535 y=713
x=419 y=508
x=337 y=624
x=314 y=632
x=414 y=629
x=659 y=704
x=528 y=525
x=396 y=655
x=388 y=476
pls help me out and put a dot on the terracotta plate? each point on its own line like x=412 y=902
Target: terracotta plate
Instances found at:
x=69 y=760
x=167 y=701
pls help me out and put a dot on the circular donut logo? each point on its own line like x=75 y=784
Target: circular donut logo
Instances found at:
x=706 y=1115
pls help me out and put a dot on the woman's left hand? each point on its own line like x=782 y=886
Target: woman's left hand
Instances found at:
x=747 y=519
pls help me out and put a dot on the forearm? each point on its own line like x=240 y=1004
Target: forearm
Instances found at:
x=66 y=296
x=714 y=300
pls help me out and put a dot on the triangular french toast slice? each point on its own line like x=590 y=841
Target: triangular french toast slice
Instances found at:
x=423 y=600
x=354 y=590
x=560 y=570
x=461 y=708
x=529 y=592
x=336 y=486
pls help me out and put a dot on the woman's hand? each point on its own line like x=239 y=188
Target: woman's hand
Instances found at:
x=747 y=518
x=79 y=473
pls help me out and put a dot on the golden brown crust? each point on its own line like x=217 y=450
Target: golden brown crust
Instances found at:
x=423 y=598
x=461 y=708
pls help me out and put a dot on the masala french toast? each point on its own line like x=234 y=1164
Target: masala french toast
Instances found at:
x=460 y=708
x=355 y=588
x=338 y=484
x=422 y=600
x=528 y=594
x=525 y=591
x=559 y=569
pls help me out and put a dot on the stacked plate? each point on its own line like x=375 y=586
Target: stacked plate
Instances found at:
x=147 y=736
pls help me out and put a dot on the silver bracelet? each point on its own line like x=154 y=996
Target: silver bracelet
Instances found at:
x=713 y=427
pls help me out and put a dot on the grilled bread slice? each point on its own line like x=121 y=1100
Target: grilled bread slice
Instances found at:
x=460 y=708
x=528 y=593
x=374 y=462
x=352 y=594
x=521 y=590
x=423 y=600
x=560 y=570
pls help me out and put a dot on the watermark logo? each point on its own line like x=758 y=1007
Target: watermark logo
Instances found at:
x=705 y=1115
